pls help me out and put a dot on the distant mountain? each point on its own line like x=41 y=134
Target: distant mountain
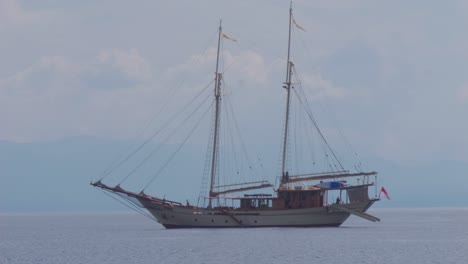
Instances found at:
x=55 y=176
x=438 y=183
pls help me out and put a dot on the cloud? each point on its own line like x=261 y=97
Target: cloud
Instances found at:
x=320 y=87
x=12 y=13
x=250 y=65
x=129 y=62
x=463 y=93
x=39 y=78
x=57 y=97
x=109 y=95
x=124 y=68
x=397 y=62
x=194 y=68
x=247 y=66
x=117 y=69
x=332 y=3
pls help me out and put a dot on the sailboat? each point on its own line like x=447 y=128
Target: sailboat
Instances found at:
x=299 y=200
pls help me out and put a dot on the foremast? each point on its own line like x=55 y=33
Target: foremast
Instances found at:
x=287 y=86
x=217 y=95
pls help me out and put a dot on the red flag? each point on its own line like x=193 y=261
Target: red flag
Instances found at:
x=385 y=193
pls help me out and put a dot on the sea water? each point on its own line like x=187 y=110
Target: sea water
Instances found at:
x=437 y=235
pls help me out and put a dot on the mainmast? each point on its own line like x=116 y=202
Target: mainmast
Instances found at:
x=287 y=86
x=217 y=95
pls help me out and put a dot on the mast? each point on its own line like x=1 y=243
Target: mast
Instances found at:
x=217 y=95
x=287 y=86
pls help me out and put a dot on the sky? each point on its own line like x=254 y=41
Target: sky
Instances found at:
x=394 y=73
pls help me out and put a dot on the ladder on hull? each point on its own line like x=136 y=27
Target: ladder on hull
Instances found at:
x=230 y=214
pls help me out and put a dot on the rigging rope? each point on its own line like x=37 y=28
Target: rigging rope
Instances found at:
x=112 y=166
x=236 y=126
x=311 y=117
x=158 y=147
x=357 y=160
x=151 y=120
x=206 y=167
x=178 y=149
x=169 y=121
x=130 y=205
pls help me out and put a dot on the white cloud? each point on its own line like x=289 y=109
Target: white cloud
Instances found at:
x=250 y=65
x=463 y=93
x=110 y=95
x=57 y=97
x=12 y=13
x=332 y=3
x=37 y=78
x=409 y=55
x=247 y=66
x=320 y=87
x=130 y=62
x=194 y=68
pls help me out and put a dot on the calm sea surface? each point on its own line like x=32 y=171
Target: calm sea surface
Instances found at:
x=403 y=236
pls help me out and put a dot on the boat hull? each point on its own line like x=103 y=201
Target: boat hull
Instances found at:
x=183 y=217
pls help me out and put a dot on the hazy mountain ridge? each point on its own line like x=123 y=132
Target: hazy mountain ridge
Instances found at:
x=55 y=176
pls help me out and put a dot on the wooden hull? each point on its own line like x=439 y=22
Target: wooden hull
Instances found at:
x=183 y=217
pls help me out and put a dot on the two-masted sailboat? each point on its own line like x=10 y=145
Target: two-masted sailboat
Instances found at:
x=301 y=200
